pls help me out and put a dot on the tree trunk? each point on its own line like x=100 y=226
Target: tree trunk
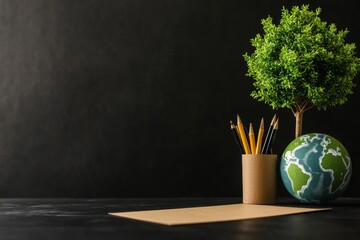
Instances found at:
x=298 y=126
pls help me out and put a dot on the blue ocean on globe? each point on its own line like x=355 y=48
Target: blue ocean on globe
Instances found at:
x=315 y=168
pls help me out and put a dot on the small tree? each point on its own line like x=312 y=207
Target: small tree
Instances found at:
x=302 y=62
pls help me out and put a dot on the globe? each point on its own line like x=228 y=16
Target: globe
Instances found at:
x=315 y=168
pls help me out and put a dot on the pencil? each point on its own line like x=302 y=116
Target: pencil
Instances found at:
x=252 y=139
x=243 y=135
x=271 y=137
x=260 y=136
x=236 y=137
x=268 y=134
x=276 y=127
x=239 y=137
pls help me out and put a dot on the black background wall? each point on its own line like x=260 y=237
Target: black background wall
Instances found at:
x=132 y=98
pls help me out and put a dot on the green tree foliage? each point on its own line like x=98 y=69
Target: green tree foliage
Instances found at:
x=302 y=62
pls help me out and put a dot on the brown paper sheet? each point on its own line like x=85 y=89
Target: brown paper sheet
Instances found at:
x=220 y=213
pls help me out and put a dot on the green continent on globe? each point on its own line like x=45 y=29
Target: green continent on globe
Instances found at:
x=337 y=161
x=297 y=177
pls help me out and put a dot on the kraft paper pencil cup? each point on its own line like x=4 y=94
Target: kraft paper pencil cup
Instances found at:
x=259 y=173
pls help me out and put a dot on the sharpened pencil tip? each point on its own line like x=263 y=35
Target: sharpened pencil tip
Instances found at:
x=273 y=120
x=251 y=130
x=238 y=119
x=276 y=125
x=262 y=123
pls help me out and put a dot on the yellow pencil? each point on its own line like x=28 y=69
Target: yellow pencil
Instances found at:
x=252 y=139
x=260 y=137
x=243 y=135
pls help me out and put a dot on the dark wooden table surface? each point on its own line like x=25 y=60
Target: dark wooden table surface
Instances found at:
x=88 y=219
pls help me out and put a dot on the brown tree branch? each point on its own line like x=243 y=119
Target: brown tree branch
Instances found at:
x=309 y=107
x=292 y=111
x=304 y=105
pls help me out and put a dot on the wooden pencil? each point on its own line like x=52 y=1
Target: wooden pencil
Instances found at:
x=252 y=139
x=239 y=136
x=268 y=134
x=236 y=137
x=276 y=127
x=260 y=137
x=243 y=135
x=272 y=134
